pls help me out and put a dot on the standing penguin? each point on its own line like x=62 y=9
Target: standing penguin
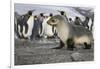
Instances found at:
x=25 y=19
x=26 y=23
x=63 y=13
x=16 y=17
x=40 y=21
x=47 y=30
x=71 y=21
x=20 y=26
x=77 y=21
x=70 y=35
x=90 y=24
x=35 y=30
x=85 y=23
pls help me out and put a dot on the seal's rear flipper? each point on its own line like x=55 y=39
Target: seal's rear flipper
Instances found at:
x=87 y=46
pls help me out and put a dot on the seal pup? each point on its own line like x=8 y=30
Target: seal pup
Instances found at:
x=70 y=35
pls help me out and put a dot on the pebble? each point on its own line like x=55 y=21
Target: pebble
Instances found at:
x=77 y=56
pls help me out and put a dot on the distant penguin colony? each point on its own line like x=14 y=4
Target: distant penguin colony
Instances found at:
x=87 y=23
x=70 y=35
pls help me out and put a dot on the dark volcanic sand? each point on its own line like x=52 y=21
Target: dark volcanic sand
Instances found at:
x=40 y=52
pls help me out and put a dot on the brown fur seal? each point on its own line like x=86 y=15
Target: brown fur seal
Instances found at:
x=70 y=35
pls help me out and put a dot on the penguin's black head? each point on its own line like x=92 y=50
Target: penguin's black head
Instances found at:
x=70 y=19
x=87 y=17
x=35 y=16
x=62 y=12
x=41 y=14
x=51 y=14
x=30 y=12
x=77 y=17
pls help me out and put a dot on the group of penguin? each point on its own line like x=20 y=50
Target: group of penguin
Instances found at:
x=28 y=26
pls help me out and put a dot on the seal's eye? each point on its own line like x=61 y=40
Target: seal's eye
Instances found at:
x=53 y=20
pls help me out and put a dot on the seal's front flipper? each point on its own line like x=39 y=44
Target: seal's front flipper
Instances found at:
x=60 y=46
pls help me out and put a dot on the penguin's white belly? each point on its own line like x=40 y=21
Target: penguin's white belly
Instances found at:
x=30 y=23
x=15 y=20
x=47 y=29
x=89 y=24
x=19 y=27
